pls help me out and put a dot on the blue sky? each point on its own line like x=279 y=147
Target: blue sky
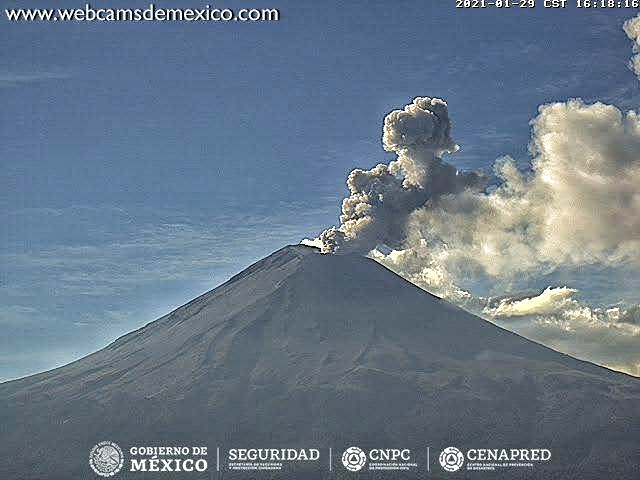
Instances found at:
x=142 y=164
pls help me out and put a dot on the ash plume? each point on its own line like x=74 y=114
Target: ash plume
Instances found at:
x=382 y=198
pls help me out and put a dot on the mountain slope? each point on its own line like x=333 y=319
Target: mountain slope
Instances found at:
x=322 y=350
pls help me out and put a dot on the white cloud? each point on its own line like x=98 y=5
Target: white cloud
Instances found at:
x=552 y=300
x=632 y=29
x=10 y=79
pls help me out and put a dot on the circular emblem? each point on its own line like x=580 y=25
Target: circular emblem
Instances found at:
x=106 y=459
x=353 y=459
x=451 y=459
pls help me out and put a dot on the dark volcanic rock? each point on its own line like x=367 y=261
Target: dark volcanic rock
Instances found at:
x=310 y=350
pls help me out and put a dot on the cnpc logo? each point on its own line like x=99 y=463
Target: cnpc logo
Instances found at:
x=354 y=458
x=451 y=459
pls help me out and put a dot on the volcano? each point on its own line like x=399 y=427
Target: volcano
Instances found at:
x=309 y=350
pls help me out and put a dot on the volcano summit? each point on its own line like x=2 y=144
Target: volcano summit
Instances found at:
x=309 y=350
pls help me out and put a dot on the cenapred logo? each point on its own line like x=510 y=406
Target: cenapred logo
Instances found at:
x=106 y=459
x=451 y=459
x=354 y=459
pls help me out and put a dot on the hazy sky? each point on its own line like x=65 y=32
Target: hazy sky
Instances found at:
x=142 y=164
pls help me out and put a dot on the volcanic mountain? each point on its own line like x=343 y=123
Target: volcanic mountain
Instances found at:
x=308 y=350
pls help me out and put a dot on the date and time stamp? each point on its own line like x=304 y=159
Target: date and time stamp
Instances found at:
x=582 y=4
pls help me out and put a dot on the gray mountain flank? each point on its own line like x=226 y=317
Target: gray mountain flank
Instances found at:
x=307 y=350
